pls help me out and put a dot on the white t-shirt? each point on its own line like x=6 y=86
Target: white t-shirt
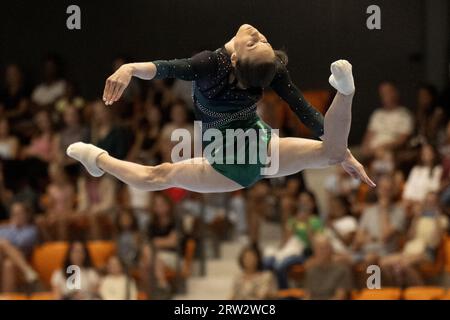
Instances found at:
x=89 y=281
x=115 y=288
x=422 y=180
x=45 y=94
x=388 y=125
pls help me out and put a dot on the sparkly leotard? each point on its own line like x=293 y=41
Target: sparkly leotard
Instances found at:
x=222 y=105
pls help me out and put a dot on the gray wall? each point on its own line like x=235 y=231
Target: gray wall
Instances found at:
x=313 y=32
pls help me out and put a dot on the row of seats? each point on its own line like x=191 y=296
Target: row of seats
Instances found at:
x=411 y=293
x=49 y=257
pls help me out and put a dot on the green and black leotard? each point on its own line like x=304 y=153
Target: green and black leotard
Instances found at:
x=222 y=105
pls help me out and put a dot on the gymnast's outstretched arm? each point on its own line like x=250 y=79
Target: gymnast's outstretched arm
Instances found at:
x=200 y=65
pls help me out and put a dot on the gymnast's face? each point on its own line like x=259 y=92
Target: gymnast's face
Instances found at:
x=249 y=43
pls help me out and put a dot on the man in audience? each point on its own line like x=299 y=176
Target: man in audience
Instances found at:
x=389 y=126
x=325 y=278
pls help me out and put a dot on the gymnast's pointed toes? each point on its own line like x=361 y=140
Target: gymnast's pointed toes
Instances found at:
x=340 y=68
x=72 y=149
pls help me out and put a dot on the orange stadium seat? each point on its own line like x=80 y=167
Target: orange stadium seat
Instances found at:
x=42 y=296
x=101 y=251
x=293 y=293
x=379 y=294
x=48 y=258
x=423 y=293
x=13 y=296
x=446 y=296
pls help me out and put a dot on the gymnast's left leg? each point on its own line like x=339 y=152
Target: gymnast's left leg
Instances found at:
x=193 y=174
x=296 y=154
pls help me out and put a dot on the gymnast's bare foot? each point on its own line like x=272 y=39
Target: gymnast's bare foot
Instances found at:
x=87 y=154
x=342 y=78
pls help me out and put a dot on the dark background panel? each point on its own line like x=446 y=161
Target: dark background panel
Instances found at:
x=314 y=33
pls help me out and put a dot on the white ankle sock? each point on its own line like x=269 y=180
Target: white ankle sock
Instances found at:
x=341 y=77
x=87 y=154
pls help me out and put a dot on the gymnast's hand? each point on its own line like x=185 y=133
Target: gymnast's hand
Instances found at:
x=116 y=84
x=356 y=169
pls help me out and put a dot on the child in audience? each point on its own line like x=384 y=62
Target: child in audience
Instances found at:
x=116 y=285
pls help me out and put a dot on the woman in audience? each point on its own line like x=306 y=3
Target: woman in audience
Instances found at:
x=9 y=144
x=424 y=237
x=116 y=285
x=17 y=238
x=341 y=228
x=14 y=99
x=42 y=143
x=97 y=201
x=152 y=278
x=58 y=203
x=106 y=134
x=77 y=279
x=128 y=238
x=429 y=116
x=147 y=144
x=424 y=177
x=162 y=229
x=380 y=225
x=252 y=283
x=73 y=130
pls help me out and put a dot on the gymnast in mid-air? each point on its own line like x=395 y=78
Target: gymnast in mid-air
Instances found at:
x=227 y=84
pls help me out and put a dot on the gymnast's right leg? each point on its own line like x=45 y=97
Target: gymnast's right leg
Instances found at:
x=193 y=174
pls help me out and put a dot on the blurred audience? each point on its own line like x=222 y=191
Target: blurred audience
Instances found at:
x=158 y=237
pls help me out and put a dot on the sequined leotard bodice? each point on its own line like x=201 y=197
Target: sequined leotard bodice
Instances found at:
x=219 y=102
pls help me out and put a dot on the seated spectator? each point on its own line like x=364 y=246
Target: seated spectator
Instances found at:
x=17 y=239
x=296 y=247
x=58 y=203
x=252 y=283
x=67 y=283
x=147 y=137
x=72 y=131
x=41 y=146
x=258 y=206
x=69 y=98
x=106 y=134
x=380 y=225
x=9 y=144
x=179 y=119
x=162 y=229
x=341 y=227
x=6 y=195
x=444 y=152
x=128 y=237
x=116 y=285
x=52 y=87
x=389 y=126
x=151 y=269
x=14 y=101
x=325 y=278
x=97 y=201
x=424 y=177
x=429 y=118
x=424 y=237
